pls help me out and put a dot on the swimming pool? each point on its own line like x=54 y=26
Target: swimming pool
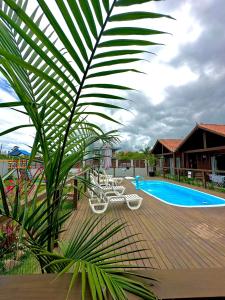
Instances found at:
x=177 y=195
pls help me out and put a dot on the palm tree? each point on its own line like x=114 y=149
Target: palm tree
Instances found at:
x=58 y=67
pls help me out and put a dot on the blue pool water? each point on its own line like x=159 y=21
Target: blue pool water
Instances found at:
x=178 y=195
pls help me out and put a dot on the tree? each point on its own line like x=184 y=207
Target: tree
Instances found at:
x=130 y=155
x=57 y=76
x=150 y=158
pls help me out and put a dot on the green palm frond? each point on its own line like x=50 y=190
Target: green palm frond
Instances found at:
x=51 y=71
x=59 y=69
x=101 y=260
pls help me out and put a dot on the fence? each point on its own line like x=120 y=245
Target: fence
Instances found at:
x=14 y=164
x=129 y=168
x=202 y=177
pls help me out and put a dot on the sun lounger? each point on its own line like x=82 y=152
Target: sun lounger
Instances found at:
x=101 y=178
x=100 y=204
x=112 y=180
x=117 y=189
x=101 y=197
x=104 y=178
x=133 y=201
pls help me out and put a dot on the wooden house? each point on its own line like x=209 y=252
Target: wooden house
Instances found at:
x=202 y=149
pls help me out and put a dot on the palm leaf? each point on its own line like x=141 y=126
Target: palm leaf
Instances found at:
x=85 y=256
x=136 y=15
x=4 y=198
x=53 y=74
x=129 y=3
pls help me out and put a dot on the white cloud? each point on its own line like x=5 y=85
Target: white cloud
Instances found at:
x=9 y=119
x=160 y=73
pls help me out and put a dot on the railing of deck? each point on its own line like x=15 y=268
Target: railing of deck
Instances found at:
x=200 y=177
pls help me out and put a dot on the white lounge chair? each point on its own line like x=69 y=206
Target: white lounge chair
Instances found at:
x=112 y=180
x=96 y=200
x=117 y=189
x=100 y=204
x=104 y=178
x=100 y=199
x=133 y=201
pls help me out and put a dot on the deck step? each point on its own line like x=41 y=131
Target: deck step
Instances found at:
x=172 y=284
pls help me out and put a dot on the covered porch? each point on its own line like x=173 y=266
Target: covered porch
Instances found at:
x=166 y=152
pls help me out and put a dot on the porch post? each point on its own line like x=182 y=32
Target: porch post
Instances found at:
x=182 y=160
x=174 y=163
x=204 y=140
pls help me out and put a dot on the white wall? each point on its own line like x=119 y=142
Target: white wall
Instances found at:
x=120 y=172
x=3 y=167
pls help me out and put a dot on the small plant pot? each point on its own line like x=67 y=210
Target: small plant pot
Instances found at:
x=151 y=173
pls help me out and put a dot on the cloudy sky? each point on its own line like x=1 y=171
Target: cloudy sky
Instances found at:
x=184 y=82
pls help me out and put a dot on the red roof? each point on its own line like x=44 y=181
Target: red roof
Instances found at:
x=215 y=128
x=170 y=144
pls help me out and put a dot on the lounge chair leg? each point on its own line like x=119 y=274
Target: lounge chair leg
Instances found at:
x=98 y=208
x=134 y=207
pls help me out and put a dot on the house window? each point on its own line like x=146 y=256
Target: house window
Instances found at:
x=220 y=161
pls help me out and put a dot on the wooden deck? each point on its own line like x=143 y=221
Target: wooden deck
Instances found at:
x=177 y=238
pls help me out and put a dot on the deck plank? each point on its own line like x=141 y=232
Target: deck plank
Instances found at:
x=171 y=284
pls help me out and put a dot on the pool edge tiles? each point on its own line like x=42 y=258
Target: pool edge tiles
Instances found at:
x=191 y=192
